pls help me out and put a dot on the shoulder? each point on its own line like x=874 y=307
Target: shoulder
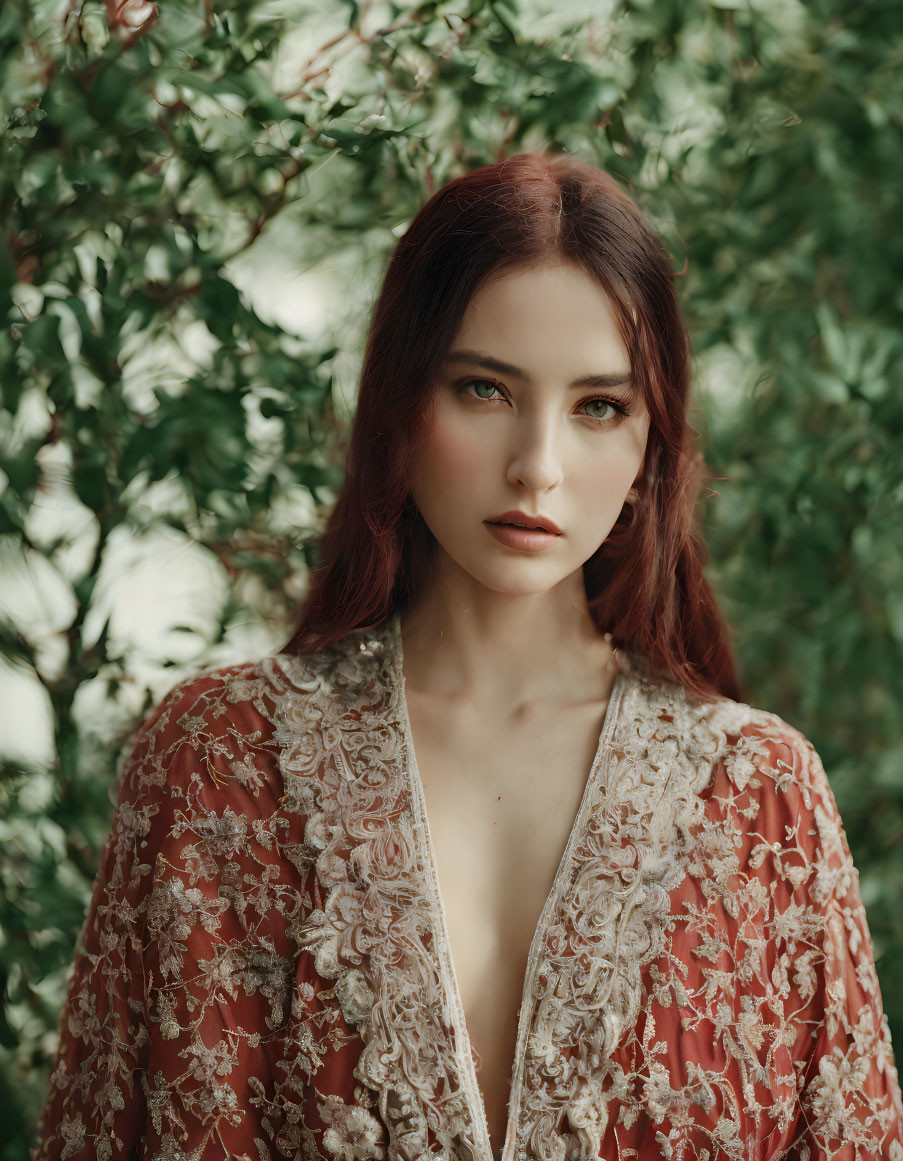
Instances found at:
x=237 y=718
x=214 y=702
x=750 y=794
x=210 y=706
x=739 y=747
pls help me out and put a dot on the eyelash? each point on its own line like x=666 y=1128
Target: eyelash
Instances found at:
x=619 y=407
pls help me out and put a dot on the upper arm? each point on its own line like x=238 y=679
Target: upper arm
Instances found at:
x=186 y=966
x=848 y=1091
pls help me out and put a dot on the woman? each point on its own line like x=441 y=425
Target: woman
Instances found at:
x=495 y=824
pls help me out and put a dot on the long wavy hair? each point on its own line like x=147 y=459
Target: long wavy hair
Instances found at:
x=645 y=584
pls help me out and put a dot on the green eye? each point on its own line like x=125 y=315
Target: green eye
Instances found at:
x=480 y=383
x=603 y=403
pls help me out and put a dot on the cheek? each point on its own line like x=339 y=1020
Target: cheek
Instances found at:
x=451 y=452
x=611 y=475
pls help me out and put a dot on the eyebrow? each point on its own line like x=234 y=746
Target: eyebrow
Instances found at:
x=612 y=379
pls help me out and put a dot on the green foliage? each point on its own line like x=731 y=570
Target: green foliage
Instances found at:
x=147 y=168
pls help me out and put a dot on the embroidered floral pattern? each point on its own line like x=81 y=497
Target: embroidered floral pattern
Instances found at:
x=264 y=971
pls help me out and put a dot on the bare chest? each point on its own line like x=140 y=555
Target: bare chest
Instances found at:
x=501 y=802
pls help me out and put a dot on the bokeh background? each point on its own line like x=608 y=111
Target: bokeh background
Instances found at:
x=198 y=204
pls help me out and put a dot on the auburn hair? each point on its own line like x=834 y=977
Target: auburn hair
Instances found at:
x=645 y=584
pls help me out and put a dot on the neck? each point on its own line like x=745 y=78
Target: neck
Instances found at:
x=505 y=651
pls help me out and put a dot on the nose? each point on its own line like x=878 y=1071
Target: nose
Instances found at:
x=536 y=460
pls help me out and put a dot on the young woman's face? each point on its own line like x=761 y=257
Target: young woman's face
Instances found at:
x=534 y=412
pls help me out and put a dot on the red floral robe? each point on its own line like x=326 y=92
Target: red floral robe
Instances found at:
x=264 y=971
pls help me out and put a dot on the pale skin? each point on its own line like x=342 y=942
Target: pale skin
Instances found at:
x=507 y=676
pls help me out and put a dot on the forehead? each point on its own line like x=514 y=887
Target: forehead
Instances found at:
x=552 y=307
x=551 y=321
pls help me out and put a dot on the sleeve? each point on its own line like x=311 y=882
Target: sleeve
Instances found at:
x=179 y=1005
x=848 y=1106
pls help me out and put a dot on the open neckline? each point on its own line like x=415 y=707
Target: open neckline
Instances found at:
x=427 y=854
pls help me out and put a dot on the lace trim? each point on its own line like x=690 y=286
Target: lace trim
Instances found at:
x=613 y=914
x=374 y=934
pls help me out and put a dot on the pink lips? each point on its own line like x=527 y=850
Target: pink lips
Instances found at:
x=517 y=517
x=525 y=539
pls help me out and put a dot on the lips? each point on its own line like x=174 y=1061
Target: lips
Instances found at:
x=523 y=519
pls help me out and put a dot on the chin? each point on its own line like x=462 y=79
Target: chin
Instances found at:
x=530 y=582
